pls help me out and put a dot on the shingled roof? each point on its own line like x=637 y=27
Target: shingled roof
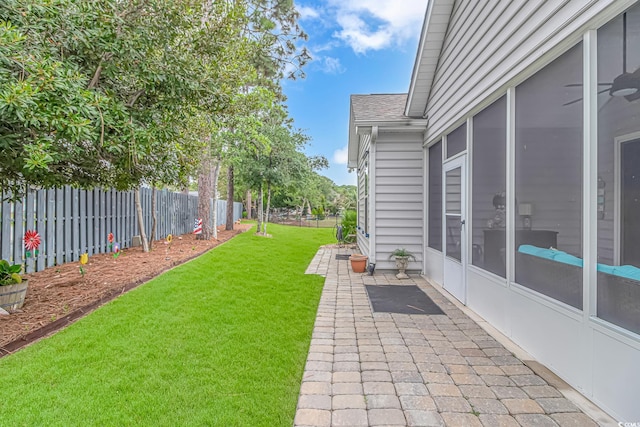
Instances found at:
x=378 y=107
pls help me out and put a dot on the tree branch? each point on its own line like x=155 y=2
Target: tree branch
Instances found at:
x=96 y=76
x=134 y=98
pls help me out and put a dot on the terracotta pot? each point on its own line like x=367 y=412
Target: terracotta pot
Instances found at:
x=358 y=263
x=12 y=296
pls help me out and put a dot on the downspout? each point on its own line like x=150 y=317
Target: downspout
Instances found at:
x=372 y=195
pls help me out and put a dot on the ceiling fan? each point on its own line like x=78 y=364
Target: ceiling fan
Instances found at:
x=626 y=84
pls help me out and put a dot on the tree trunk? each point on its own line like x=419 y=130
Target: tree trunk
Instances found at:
x=304 y=202
x=260 y=213
x=229 y=225
x=143 y=234
x=266 y=218
x=154 y=216
x=249 y=204
x=214 y=185
x=204 y=198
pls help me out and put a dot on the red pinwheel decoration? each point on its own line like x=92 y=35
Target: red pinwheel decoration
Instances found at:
x=110 y=237
x=31 y=242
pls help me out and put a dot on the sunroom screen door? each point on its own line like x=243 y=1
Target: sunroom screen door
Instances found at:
x=454 y=225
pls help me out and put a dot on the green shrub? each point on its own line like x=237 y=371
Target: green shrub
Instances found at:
x=318 y=212
x=402 y=252
x=349 y=222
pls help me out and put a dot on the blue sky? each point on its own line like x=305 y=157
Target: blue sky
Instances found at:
x=358 y=47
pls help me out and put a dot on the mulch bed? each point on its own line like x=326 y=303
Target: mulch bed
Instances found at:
x=59 y=295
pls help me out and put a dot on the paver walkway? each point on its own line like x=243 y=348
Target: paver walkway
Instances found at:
x=372 y=369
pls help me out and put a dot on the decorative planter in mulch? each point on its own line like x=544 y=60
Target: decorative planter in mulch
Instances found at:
x=12 y=296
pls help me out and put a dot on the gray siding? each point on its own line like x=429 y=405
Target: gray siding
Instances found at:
x=399 y=196
x=489 y=43
x=363 y=202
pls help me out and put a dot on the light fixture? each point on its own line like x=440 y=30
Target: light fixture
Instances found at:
x=634 y=96
x=525 y=210
x=624 y=85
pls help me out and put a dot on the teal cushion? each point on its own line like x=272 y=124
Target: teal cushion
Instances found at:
x=528 y=249
x=628 y=271
x=606 y=268
x=568 y=259
x=539 y=252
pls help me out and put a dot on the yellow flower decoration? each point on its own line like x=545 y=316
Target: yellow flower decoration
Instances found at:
x=169 y=238
x=84 y=258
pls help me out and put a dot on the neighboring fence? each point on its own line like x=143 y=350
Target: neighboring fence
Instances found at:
x=72 y=221
x=278 y=216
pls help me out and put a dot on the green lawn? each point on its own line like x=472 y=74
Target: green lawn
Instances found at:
x=220 y=341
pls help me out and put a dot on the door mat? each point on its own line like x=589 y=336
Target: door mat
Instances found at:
x=401 y=299
x=342 y=256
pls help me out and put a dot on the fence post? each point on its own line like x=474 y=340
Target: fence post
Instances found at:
x=50 y=236
x=18 y=232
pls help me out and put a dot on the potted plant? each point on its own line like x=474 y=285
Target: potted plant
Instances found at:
x=358 y=263
x=402 y=257
x=13 y=288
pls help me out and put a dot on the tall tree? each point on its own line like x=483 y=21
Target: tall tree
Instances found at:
x=92 y=93
x=273 y=28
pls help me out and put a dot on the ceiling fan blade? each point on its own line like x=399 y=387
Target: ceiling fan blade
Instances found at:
x=580 y=84
x=573 y=102
x=580 y=99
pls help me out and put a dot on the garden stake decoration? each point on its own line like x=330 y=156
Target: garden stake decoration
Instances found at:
x=31 y=243
x=113 y=246
x=167 y=242
x=84 y=258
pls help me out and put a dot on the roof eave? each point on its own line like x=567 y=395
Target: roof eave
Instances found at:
x=408 y=122
x=352 y=143
x=416 y=65
x=429 y=32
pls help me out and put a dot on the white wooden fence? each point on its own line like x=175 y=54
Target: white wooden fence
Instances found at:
x=72 y=221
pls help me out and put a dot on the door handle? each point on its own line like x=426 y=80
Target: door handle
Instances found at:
x=462 y=222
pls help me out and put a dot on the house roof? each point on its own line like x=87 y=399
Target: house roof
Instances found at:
x=434 y=29
x=372 y=110
x=368 y=112
x=378 y=107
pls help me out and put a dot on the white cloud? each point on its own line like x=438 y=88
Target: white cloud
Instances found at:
x=331 y=65
x=341 y=155
x=377 y=24
x=307 y=12
x=326 y=46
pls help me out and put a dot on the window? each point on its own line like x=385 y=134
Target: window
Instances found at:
x=548 y=184
x=457 y=141
x=435 y=196
x=618 y=189
x=363 y=194
x=366 y=193
x=489 y=184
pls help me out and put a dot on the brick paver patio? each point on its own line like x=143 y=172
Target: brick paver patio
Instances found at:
x=381 y=369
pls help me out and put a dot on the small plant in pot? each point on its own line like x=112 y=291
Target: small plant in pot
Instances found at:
x=13 y=288
x=402 y=257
